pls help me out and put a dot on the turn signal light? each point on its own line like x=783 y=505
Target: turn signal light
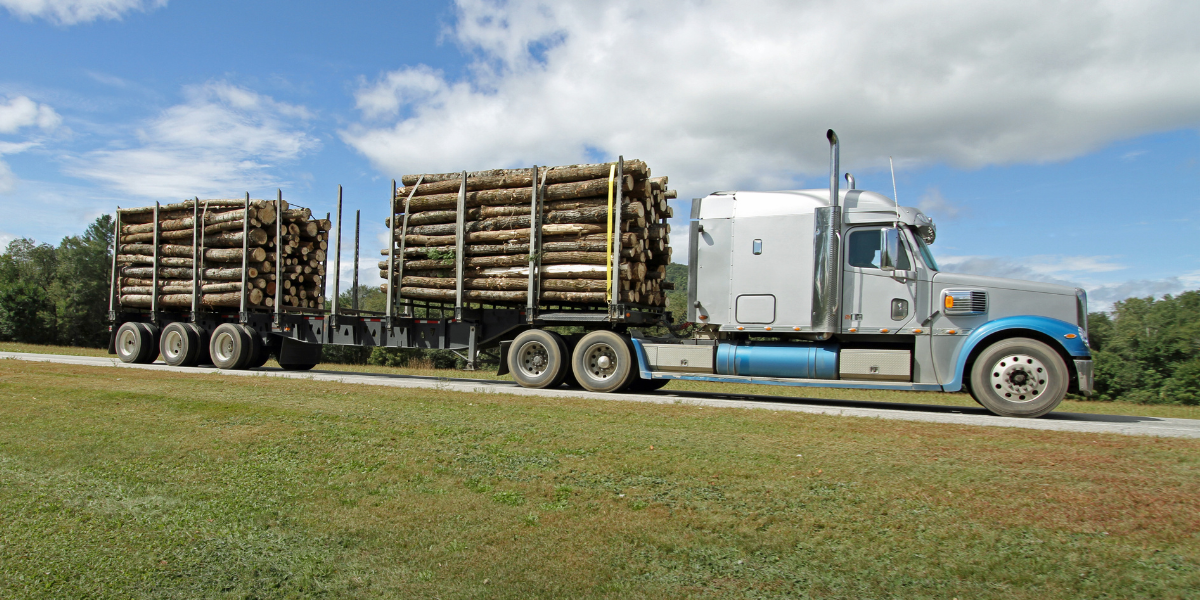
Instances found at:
x=1071 y=336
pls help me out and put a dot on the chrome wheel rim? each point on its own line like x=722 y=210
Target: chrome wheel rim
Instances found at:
x=224 y=347
x=1019 y=378
x=601 y=361
x=172 y=346
x=127 y=342
x=534 y=359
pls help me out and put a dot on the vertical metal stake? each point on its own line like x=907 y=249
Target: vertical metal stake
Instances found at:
x=357 y=226
x=154 y=278
x=243 y=317
x=616 y=260
x=197 y=227
x=531 y=297
x=337 y=269
x=112 y=290
x=459 y=244
x=279 y=255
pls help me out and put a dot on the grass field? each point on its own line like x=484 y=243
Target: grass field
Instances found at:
x=935 y=398
x=118 y=484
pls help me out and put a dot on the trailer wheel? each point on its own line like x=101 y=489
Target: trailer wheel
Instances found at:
x=1019 y=377
x=134 y=343
x=538 y=359
x=603 y=361
x=230 y=347
x=180 y=345
x=262 y=352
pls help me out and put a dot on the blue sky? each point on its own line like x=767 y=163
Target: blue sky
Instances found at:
x=1056 y=142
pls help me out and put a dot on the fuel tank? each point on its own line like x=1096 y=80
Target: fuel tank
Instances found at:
x=778 y=359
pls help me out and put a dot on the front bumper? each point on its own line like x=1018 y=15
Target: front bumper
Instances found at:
x=1087 y=381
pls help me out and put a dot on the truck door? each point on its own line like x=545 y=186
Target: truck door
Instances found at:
x=873 y=300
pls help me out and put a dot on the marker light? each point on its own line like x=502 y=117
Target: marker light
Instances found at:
x=949 y=301
x=1071 y=336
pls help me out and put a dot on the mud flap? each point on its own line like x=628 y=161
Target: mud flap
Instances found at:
x=293 y=352
x=503 y=370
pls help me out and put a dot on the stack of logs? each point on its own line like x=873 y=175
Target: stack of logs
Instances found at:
x=220 y=232
x=573 y=254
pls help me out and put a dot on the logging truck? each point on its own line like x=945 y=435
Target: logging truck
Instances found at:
x=810 y=288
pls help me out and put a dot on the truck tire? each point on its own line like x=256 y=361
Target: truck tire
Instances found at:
x=1019 y=377
x=230 y=347
x=538 y=359
x=179 y=345
x=134 y=343
x=202 y=357
x=262 y=352
x=603 y=361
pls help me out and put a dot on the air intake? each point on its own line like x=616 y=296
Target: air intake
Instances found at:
x=964 y=302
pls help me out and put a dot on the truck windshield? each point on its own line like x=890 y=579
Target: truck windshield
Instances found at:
x=925 y=253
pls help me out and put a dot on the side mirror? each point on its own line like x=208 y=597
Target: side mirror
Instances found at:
x=889 y=243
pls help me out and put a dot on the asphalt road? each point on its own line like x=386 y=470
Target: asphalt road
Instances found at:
x=975 y=416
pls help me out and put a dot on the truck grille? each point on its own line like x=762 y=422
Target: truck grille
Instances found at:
x=964 y=302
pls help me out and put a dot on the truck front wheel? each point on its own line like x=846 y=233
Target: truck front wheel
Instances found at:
x=1019 y=377
x=603 y=361
x=538 y=359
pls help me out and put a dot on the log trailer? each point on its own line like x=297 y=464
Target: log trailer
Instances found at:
x=861 y=304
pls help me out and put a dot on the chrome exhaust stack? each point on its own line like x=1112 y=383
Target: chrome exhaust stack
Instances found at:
x=827 y=253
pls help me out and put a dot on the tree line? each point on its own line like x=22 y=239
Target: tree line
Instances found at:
x=1146 y=350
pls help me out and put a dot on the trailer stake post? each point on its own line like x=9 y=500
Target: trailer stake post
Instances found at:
x=337 y=269
x=197 y=227
x=354 y=290
x=615 y=312
x=279 y=257
x=393 y=270
x=243 y=316
x=535 y=228
x=459 y=244
x=112 y=288
x=154 y=278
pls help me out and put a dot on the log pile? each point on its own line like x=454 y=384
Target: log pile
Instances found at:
x=571 y=246
x=220 y=230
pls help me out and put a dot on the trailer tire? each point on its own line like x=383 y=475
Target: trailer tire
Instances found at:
x=1019 y=377
x=603 y=361
x=202 y=334
x=179 y=345
x=230 y=347
x=262 y=352
x=134 y=343
x=538 y=359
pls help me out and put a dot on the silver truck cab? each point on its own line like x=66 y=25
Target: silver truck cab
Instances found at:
x=788 y=288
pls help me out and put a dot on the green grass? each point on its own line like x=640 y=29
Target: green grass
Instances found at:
x=1077 y=405
x=171 y=485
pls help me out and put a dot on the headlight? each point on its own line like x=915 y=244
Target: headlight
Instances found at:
x=1081 y=314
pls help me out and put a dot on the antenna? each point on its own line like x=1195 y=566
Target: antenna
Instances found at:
x=895 y=194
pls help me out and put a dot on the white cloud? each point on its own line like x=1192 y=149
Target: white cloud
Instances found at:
x=223 y=139
x=70 y=12
x=720 y=94
x=5 y=238
x=21 y=112
x=8 y=181
x=937 y=206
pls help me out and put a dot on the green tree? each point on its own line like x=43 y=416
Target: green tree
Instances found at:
x=84 y=264
x=1147 y=351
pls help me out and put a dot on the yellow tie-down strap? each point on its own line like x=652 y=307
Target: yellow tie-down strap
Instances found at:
x=612 y=173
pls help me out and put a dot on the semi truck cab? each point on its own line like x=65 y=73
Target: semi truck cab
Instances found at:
x=838 y=288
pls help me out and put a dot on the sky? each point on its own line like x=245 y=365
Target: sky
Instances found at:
x=1049 y=141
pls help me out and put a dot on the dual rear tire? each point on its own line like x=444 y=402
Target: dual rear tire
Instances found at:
x=137 y=343
x=236 y=346
x=602 y=361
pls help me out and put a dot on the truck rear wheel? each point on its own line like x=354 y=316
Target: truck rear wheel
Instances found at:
x=135 y=343
x=180 y=345
x=538 y=359
x=231 y=347
x=603 y=361
x=1019 y=377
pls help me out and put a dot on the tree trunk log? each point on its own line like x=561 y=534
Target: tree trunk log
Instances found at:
x=495 y=197
x=501 y=283
x=514 y=178
x=502 y=236
x=210 y=254
x=500 y=295
x=230 y=299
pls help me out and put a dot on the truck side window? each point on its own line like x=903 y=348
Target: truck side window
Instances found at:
x=862 y=250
